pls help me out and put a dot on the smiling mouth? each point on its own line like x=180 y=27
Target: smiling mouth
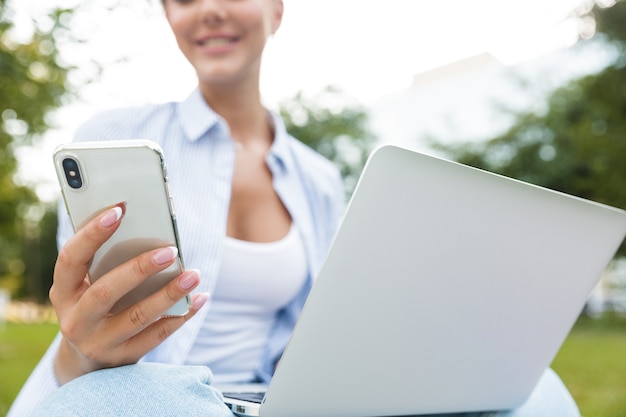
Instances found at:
x=217 y=41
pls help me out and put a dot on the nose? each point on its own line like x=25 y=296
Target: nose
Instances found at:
x=213 y=11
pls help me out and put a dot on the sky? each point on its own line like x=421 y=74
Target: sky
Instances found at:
x=369 y=49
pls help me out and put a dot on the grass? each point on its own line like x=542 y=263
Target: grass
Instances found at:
x=21 y=346
x=592 y=362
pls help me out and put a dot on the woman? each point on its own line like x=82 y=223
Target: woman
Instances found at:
x=256 y=212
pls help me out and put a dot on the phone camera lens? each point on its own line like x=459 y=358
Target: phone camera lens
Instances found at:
x=72 y=173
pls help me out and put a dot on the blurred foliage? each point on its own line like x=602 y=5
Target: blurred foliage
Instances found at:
x=609 y=23
x=578 y=145
x=40 y=254
x=33 y=82
x=334 y=127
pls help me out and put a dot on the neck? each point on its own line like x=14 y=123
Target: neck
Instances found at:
x=242 y=109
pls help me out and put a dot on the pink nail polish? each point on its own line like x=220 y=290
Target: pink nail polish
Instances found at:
x=188 y=280
x=199 y=300
x=111 y=216
x=163 y=256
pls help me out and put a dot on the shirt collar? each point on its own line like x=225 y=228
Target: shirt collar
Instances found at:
x=280 y=151
x=196 y=116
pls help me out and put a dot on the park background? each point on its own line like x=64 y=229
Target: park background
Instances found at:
x=535 y=90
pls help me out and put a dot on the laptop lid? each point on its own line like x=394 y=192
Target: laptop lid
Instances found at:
x=446 y=289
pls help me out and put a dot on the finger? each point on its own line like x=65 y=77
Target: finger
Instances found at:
x=139 y=316
x=75 y=256
x=158 y=331
x=108 y=289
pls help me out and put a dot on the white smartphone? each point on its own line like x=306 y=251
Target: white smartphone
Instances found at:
x=95 y=176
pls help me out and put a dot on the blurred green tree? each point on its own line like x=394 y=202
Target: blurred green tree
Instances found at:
x=33 y=82
x=578 y=145
x=333 y=126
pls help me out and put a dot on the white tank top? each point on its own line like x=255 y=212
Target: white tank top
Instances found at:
x=255 y=281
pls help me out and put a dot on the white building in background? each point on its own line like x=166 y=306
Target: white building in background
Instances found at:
x=5 y=298
x=462 y=101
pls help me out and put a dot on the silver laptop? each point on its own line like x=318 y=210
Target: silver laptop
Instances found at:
x=447 y=289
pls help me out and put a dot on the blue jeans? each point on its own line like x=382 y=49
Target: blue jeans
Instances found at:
x=150 y=389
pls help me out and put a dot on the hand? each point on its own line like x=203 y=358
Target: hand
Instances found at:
x=93 y=338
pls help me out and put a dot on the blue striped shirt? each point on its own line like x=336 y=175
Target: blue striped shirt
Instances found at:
x=200 y=154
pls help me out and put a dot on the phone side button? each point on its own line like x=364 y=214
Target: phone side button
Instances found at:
x=172 y=209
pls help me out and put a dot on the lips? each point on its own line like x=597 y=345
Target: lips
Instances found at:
x=217 y=41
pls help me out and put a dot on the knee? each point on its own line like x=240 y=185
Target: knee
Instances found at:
x=145 y=389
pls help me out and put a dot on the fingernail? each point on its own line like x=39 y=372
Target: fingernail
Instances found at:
x=111 y=216
x=189 y=279
x=163 y=256
x=199 y=300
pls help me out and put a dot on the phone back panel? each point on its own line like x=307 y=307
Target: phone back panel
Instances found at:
x=131 y=173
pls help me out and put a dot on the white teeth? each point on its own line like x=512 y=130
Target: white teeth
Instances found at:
x=216 y=42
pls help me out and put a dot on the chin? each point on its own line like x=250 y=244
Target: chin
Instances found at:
x=224 y=76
